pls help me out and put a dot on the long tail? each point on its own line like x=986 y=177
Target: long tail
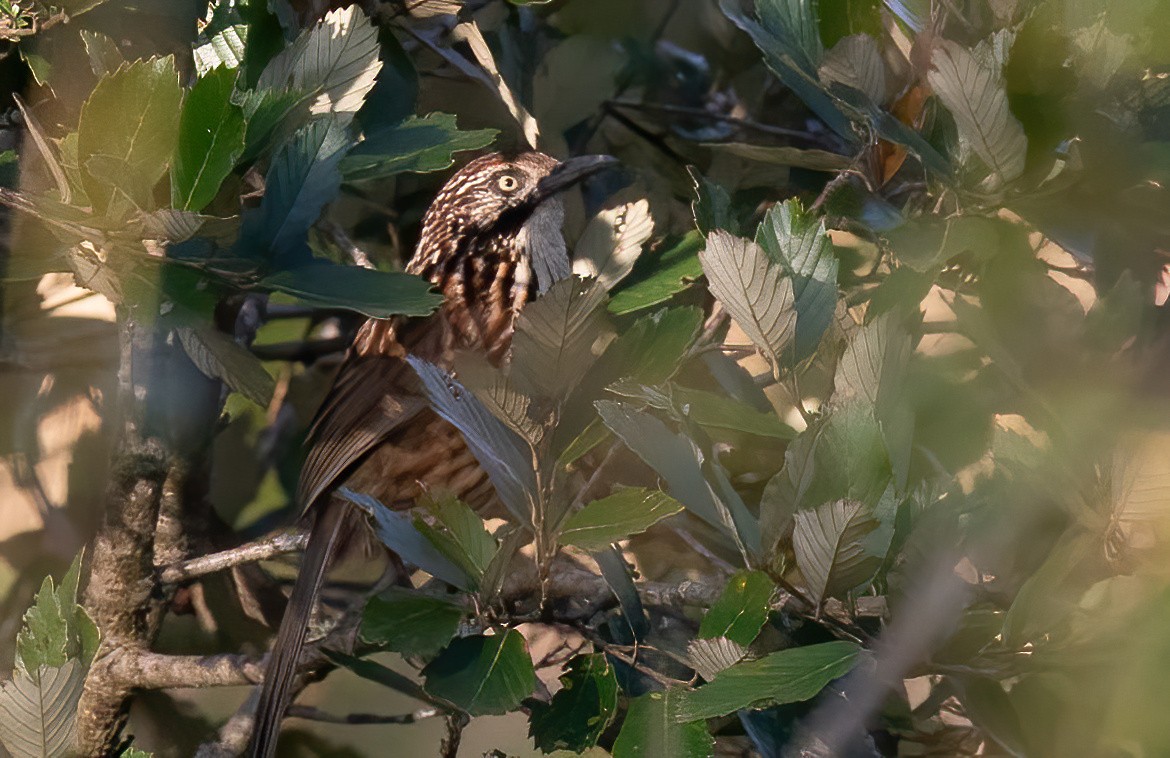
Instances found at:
x=286 y=650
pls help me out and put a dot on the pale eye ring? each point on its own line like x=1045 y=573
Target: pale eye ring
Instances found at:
x=508 y=183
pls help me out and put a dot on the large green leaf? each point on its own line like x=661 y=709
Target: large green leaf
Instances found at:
x=377 y=294
x=418 y=144
x=211 y=140
x=220 y=357
x=581 y=710
x=409 y=622
x=559 y=336
x=856 y=62
x=465 y=539
x=56 y=628
x=793 y=25
x=754 y=291
x=127 y=134
x=651 y=728
x=483 y=674
x=38 y=710
x=786 y=676
x=741 y=610
x=620 y=515
x=975 y=96
x=717 y=411
x=798 y=242
x=665 y=275
x=302 y=179
x=335 y=64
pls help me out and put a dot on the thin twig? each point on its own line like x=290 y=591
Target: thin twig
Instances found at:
x=309 y=713
x=261 y=550
x=699 y=113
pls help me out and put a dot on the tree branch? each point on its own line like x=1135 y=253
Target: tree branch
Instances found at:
x=278 y=544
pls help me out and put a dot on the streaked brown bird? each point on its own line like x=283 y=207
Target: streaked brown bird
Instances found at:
x=490 y=241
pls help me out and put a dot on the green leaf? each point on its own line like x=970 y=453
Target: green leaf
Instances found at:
x=409 y=622
x=127 y=134
x=468 y=542
x=798 y=242
x=717 y=411
x=220 y=357
x=793 y=25
x=501 y=452
x=619 y=577
x=104 y=55
x=829 y=542
x=754 y=291
x=618 y=516
x=302 y=179
x=667 y=274
x=335 y=64
x=397 y=532
x=586 y=65
x=710 y=656
x=133 y=752
x=377 y=294
x=925 y=243
x=612 y=242
x=496 y=390
x=975 y=96
x=483 y=674
x=211 y=140
x=741 y=610
x=855 y=61
x=38 y=709
x=418 y=144
x=224 y=48
x=56 y=628
x=559 y=336
x=581 y=710
x=786 y=676
x=712 y=206
x=651 y=728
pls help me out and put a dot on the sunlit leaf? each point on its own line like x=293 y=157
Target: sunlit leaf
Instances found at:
x=620 y=515
x=466 y=540
x=754 y=291
x=223 y=48
x=665 y=274
x=975 y=96
x=787 y=676
x=612 y=242
x=483 y=674
x=56 y=629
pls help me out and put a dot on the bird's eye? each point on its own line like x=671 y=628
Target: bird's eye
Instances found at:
x=508 y=183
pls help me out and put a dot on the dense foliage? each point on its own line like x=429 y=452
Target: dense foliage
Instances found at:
x=848 y=433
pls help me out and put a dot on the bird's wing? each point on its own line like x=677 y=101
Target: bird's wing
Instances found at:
x=374 y=394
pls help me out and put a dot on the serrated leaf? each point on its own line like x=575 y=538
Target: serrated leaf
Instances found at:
x=38 y=710
x=420 y=144
x=651 y=728
x=793 y=24
x=409 y=622
x=224 y=48
x=710 y=656
x=754 y=291
x=741 y=610
x=666 y=274
x=581 y=710
x=558 y=337
x=856 y=62
x=504 y=456
x=616 y=517
x=48 y=155
x=378 y=294
x=612 y=242
x=498 y=393
x=397 y=532
x=302 y=179
x=335 y=63
x=975 y=96
x=829 y=543
x=798 y=242
x=483 y=674
x=712 y=205
x=786 y=676
x=56 y=628
x=717 y=411
x=220 y=357
x=211 y=140
x=104 y=55
x=127 y=134
x=474 y=546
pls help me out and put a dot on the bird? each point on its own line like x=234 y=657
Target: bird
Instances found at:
x=490 y=241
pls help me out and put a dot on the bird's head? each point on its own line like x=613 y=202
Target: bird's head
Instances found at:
x=500 y=204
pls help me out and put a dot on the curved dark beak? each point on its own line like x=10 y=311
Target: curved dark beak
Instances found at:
x=569 y=173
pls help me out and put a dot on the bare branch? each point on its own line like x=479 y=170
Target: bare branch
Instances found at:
x=310 y=713
x=156 y=671
x=261 y=550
